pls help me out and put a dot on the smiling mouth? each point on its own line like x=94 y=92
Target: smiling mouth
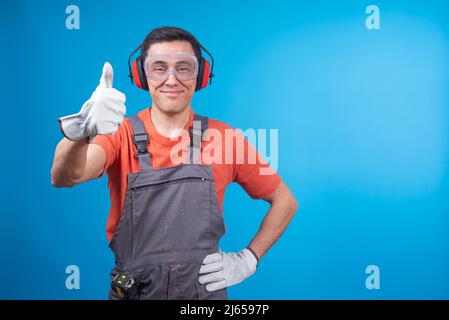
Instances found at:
x=171 y=93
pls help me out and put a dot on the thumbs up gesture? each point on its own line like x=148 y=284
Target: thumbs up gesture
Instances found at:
x=101 y=114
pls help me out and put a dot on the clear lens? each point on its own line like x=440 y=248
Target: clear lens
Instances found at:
x=159 y=65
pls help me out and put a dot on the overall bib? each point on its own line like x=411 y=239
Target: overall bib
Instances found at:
x=170 y=222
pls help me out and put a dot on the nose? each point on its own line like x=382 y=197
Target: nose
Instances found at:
x=171 y=80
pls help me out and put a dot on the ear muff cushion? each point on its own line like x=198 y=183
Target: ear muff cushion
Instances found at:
x=199 y=77
x=206 y=73
x=141 y=74
x=135 y=74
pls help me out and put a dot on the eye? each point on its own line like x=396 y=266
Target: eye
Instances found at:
x=158 y=69
x=184 y=69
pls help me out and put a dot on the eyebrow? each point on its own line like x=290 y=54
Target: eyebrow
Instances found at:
x=183 y=61
x=159 y=62
x=178 y=62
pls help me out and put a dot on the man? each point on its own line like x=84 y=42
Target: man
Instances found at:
x=166 y=218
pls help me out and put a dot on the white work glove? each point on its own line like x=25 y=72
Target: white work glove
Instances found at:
x=101 y=114
x=220 y=270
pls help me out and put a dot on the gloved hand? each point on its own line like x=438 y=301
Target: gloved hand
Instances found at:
x=221 y=270
x=101 y=114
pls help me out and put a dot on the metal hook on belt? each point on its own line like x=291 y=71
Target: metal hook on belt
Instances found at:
x=123 y=284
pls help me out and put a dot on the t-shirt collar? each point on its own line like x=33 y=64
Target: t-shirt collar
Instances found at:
x=154 y=134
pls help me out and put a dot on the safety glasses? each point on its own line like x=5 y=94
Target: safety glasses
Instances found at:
x=159 y=65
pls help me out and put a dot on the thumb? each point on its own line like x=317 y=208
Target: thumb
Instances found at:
x=106 y=76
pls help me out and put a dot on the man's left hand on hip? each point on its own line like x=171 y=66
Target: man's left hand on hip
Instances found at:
x=220 y=270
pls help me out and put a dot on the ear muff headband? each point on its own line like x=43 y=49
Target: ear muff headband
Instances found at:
x=137 y=72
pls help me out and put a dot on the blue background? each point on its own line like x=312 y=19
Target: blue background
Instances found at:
x=363 y=139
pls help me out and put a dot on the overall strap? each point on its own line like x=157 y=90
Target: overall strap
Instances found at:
x=141 y=140
x=197 y=135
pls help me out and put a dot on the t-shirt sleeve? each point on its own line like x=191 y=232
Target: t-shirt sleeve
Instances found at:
x=251 y=171
x=111 y=145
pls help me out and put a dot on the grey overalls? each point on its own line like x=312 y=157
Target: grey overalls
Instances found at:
x=170 y=221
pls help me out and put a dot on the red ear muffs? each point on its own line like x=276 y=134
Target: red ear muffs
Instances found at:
x=138 y=74
x=203 y=74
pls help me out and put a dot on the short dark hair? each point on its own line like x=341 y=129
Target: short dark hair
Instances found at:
x=170 y=34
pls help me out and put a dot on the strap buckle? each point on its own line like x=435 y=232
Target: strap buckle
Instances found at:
x=141 y=142
x=197 y=132
x=122 y=284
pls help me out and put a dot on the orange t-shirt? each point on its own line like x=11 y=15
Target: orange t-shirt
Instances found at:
x=120 y=161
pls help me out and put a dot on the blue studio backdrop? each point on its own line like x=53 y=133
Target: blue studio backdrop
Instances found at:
x=362 y=114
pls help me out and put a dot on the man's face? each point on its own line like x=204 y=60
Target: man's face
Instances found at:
x=171 y=95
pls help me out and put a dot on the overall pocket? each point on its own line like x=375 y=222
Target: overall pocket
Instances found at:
x=203 y=294
x=171 y=215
